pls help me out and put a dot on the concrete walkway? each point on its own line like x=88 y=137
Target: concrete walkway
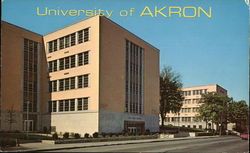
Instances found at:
x=31 y=147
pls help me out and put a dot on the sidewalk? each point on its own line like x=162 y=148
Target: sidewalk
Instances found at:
x=32 y=147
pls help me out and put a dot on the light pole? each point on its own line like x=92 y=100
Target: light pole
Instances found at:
x=27 y=120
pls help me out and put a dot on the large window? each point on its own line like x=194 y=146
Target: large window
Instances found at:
x=134 y=78
x=30 y=74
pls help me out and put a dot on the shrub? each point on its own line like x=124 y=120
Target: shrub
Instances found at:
x=77 y=136
x=8 y=142
x=66 y=135
x=17 y=131
x=111 y=134
x=204 y=134
x=103 y=134
x=45 y=130
x=147 y=132
x=55 y=136
x=95 y=135
x=86 y=135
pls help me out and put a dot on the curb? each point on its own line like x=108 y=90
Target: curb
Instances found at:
x=121 y=143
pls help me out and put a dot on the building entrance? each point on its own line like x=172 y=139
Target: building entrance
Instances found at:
x=134 y=126
x=28 y=125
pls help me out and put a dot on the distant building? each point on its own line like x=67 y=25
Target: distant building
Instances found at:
x=91 y=76
x=192 y=95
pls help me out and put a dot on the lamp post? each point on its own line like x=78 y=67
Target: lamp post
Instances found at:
x=178 y=122
x=27 y=120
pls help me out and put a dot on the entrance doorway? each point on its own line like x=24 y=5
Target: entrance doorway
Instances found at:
x=28 y=125
x=134 y=126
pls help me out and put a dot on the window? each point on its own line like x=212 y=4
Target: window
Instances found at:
x=61 y=43
x=61 y=64
x=54 y=86
x=66 y=105
x=86 y=80
x=86 y=58
x=54 y=106
x=72 y=83
x=50 y=66
x=66 y=84
x=79 y=104
x=80 y=81
x=66 y=62
x=61 y=105
x=50 y=106
x=80 y=36
x=134 y=78
x=50 y=46
x=80 y=59
x=200 y=126
x=55 y=65
x=66 y=41
x=73 y=39
x=194 y=126
x=72 y=61
x=55 y=45
x=61 y=85
x=86 y=34
x=85 y=103
x=72 y=104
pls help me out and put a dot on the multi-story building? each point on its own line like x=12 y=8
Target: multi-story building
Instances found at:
x=23 y=79
x=100 y=78
x=192 y=96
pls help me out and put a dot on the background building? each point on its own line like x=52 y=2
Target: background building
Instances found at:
x=189 y=110
x=102 y=79
x=23 y=79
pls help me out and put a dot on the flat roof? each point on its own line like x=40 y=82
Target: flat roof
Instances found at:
x=203 y=86
x=111 y=22
x=2 y=21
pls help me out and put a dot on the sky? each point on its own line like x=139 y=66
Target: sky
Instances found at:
x=202 y=50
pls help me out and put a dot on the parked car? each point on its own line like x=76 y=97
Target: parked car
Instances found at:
x=244 y=136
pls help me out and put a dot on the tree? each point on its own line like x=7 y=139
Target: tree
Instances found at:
x=170 y=92
x=214 y=108
x=238 y=113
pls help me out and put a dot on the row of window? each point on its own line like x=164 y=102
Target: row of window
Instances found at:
x=194 y=126
x=194 y=92
x=189 y=110
x=178 y=119
x=81 y=81
x=66 y=105
x=69 y=40
x=191 y=101
x=69 y=62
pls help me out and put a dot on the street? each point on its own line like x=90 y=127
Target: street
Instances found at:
x=227 y=144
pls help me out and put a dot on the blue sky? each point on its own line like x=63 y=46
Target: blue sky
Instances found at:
x=202 y=50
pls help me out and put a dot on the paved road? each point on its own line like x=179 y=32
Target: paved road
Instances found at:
x=229 y=144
